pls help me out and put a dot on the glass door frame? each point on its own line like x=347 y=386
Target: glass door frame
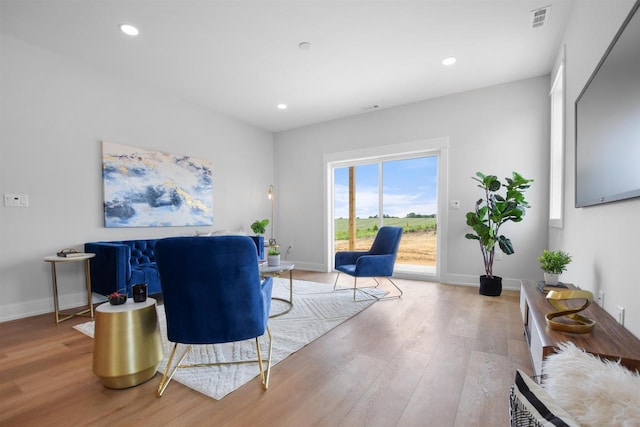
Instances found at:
x=423 y=148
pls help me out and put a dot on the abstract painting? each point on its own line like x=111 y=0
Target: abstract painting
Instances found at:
x=154 y=189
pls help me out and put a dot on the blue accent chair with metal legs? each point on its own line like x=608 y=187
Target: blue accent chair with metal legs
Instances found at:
x=378 y=261
x=213 y=294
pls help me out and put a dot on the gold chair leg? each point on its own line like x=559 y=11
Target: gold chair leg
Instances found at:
x=165 y=381
x=336 y=282
x=265 y=378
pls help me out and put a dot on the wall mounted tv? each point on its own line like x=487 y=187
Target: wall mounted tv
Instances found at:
x=608 y=122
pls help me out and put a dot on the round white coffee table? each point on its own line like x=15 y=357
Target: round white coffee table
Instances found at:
x=276 y=271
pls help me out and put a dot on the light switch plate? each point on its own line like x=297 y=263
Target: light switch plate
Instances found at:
x=16 y=200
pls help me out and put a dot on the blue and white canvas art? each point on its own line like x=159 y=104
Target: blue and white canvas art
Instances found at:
x=154 y=189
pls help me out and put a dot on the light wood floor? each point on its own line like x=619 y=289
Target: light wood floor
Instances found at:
x=440 y=356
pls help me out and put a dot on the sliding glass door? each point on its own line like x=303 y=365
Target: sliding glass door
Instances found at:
x=389 y=191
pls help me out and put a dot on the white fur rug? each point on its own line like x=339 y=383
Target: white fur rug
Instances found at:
x=317 y=309
x=595 y=392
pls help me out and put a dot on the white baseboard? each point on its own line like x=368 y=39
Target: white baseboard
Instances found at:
x=42 y=306
x=466 y=280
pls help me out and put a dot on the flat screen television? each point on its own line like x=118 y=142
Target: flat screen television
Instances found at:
x=608 y=122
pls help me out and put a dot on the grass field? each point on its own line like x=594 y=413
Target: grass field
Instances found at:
x=368 y=227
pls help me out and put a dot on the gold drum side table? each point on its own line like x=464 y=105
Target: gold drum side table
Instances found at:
x=127 y=345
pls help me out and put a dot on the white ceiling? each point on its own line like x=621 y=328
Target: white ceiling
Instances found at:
x=241 y=58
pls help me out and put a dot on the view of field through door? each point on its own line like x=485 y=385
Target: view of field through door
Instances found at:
x=400 y=192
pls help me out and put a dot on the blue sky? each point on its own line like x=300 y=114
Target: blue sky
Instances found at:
x=409 y=186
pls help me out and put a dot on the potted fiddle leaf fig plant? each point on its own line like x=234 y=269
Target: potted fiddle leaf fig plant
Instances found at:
x=553 y=263
x=502 y=203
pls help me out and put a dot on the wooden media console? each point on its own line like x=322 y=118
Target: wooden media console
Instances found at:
x=609 y=339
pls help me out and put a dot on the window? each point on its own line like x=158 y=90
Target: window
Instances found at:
x=556 y=165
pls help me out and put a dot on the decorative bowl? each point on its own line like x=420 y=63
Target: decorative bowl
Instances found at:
x=117 y=299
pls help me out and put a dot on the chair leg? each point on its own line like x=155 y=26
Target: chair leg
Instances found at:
x=374 y=296
x=265 y=378
x=165 y=381
x=355 y=287
x=396 y=286
x=167 y=377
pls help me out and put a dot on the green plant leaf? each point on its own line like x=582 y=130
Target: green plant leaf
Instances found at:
x=491 y=182
x=506 y=246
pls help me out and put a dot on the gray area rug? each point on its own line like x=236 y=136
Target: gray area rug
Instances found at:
x=317 y=309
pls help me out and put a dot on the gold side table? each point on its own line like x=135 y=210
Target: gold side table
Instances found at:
x=53 y=260
x=127 y=347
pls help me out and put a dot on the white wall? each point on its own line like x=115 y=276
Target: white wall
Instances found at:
x=603 y=240
x=495 y=130
x=53 y=114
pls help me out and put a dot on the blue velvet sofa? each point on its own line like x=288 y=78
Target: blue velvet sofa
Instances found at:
x=118 y=265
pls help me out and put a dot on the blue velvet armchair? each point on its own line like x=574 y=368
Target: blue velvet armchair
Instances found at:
x=378 y=261
x=213 y=294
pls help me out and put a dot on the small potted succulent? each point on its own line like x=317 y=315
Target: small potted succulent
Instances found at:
x=117 y=298
x=273 y=257
x=553 y=263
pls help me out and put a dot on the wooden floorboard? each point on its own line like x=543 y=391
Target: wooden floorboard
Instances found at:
x=436 y=397
x=441 y=355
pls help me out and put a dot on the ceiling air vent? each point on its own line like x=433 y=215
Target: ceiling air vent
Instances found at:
x=540 y=17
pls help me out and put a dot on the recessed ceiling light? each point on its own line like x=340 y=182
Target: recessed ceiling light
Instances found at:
x=129 y=30
x=282 y=106
x=304 y=45
x=449 y=61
